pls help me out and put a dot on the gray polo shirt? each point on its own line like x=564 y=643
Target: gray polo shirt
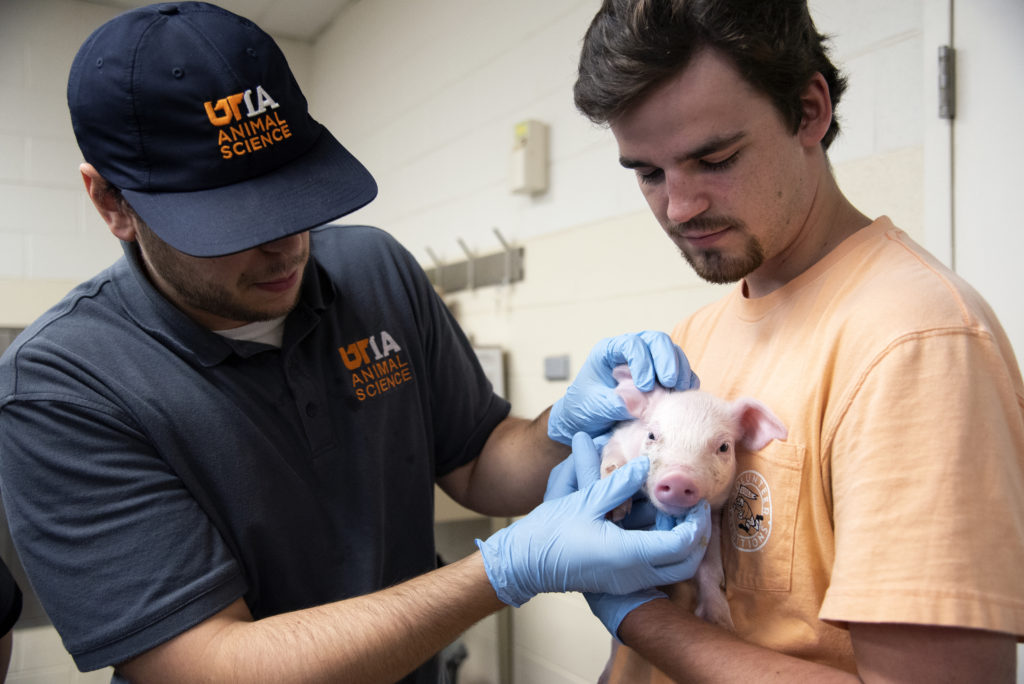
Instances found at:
x=154 y=471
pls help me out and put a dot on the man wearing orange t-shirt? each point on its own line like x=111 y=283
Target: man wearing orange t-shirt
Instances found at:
x=881 y=541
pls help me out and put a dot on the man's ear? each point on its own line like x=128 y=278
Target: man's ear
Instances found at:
x=816 y=106
x=106 y=201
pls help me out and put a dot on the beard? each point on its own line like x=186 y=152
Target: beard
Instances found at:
x=214 y=299
x=716 y=267
x=191 y=289
x=713 y=264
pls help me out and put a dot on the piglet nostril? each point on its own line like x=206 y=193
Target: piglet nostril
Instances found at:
x=676 y=490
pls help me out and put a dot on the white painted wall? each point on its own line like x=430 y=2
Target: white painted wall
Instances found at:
x=427 y=94
x=44 y=240
x=987 y=207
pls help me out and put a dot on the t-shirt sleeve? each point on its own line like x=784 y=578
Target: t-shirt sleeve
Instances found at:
x=927 y=478
x=109 y=534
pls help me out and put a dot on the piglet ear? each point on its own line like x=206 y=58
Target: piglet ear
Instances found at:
x=758 y=423
x=635 y=400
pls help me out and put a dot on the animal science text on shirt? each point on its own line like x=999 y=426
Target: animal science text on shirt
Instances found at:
x=384 y=372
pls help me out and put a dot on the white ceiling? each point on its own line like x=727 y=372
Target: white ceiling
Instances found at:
x=296 y=19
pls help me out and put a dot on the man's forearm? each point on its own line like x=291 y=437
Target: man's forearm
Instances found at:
x=509 y=476
x=375 y=638
x=688 y=649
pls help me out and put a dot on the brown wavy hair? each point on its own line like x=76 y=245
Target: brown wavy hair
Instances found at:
x=633 y=46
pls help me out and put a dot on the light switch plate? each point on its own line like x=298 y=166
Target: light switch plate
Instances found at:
x=556 y=367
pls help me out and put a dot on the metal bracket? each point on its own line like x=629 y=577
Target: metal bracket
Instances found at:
x=947 y=82
x=500 y=268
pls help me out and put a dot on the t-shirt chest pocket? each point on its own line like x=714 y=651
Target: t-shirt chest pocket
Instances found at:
x=759 y=519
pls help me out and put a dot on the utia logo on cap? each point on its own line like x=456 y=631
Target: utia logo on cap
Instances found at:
x=262 y=129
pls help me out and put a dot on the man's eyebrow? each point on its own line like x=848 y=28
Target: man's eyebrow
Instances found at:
x=709 y=147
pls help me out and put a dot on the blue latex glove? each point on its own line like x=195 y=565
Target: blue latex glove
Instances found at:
x=590 y=404
x=580 y=470
x=567 y=544
x=610 y=609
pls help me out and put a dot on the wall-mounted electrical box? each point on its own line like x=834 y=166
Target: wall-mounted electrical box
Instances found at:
x=556 y=367
x=529 y=172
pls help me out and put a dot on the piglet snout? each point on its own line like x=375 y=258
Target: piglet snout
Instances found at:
x=676 y=490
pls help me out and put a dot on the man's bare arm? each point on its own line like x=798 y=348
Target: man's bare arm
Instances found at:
x=375 y=638
x=688 y=649
x=511 y=472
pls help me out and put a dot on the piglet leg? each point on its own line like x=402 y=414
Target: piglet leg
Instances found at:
x=711 y=603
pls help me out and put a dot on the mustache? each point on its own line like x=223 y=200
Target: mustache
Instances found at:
x=286 y=267
x=704 y=224
x=279 y=270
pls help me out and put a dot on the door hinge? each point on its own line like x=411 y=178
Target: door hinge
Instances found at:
x=947 y=82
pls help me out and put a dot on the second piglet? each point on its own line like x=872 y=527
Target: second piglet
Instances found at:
x=690 y=438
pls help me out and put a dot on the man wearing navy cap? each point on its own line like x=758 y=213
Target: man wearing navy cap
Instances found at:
x=218 y=455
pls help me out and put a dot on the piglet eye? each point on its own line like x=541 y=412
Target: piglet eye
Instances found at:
x=650 y=436
x=724 y=448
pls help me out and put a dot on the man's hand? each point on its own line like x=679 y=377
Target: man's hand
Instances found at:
x=567 y=544
x=591 y=405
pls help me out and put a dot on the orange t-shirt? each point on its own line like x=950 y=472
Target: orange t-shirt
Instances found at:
x=898 y=495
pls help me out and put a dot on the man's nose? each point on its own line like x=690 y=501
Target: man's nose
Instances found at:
x=686 y=198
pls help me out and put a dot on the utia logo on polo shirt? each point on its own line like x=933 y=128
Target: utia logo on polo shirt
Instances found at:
x=262 y=126
x=377 y=365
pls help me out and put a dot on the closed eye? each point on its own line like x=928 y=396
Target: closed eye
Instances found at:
x=722 y=165
x=649 y=176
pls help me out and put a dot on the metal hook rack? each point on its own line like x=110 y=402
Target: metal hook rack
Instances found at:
x=500 y=268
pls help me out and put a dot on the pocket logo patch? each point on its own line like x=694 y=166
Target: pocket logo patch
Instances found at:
x=750 y=515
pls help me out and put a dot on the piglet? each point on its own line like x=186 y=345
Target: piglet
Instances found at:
x=690 y=438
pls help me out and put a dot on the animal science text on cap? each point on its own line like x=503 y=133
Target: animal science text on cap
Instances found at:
x=262 y=129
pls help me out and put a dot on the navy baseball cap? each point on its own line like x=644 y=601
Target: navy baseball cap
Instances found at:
x=193 y=113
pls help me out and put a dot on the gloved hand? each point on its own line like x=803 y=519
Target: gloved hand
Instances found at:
x=580 y=470
x=590 y=404
x=567 y=544
x=610 y=609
